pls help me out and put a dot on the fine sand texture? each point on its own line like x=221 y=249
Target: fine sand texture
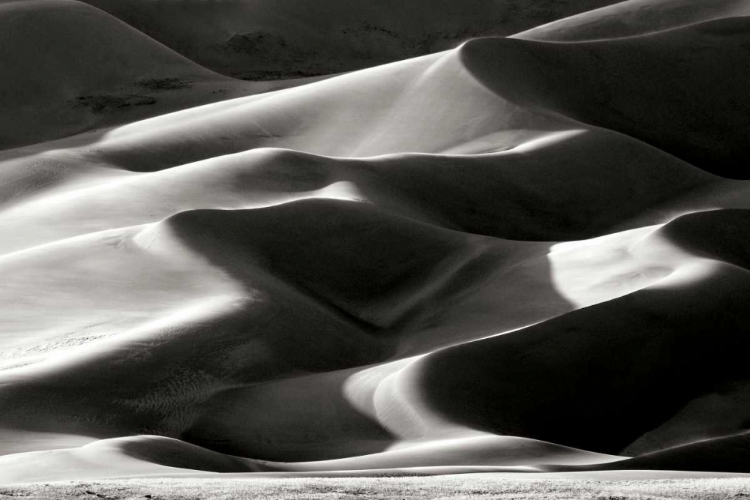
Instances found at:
x=449 y=251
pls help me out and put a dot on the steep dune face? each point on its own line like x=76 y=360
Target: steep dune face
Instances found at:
x=271 y=39
x=671 y=112
x=514 y=255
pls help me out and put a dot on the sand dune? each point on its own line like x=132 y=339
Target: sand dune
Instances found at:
x=719 y=454
x=517 y=254
x=671 y=112
x=674 y=327
x=484 y=194
x=124 y=457
x=140 y=456
x=69 y=67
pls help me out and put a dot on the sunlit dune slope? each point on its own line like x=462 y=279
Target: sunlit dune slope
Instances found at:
x=513 y=194
x=124 y=457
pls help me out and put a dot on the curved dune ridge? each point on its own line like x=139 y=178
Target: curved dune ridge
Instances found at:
x=523 y=254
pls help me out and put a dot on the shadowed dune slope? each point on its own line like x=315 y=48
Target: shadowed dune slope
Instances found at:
x=729 y=454
x=398 y=258
x=272 y=39
x=681 y=66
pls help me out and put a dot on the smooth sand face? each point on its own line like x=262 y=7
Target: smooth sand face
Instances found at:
x=517 y=255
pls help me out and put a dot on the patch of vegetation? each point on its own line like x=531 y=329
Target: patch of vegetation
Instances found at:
x=257 y=43
x=165 y=83
x=460 y=487
x=107 y=103
x=262 y=75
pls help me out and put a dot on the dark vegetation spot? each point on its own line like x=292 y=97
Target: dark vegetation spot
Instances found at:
x=165 y=83
x=276 y=57
x=108 y=103
x=276 y=74
x=257 y=43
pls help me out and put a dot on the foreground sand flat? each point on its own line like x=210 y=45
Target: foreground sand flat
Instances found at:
x=574 y=487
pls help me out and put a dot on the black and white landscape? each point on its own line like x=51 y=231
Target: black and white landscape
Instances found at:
x=392 y=236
